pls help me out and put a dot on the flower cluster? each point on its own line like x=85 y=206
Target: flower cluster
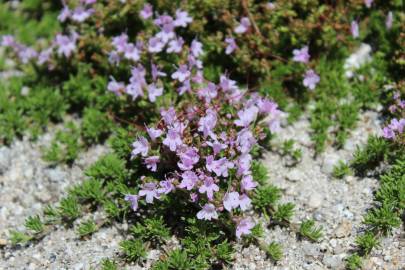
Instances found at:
x=311 y=79
x=396 y=127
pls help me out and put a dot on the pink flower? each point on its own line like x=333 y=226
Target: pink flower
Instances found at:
x=209 y=187
x=146 y=12
x=231 y=45
x=231 y=201
x=115 y=87
x=133 y=199
x=181 y=74
x=208 y=212
x=154 y=91
x=182 y=18
x=368 y=3
x=151 y=163
x=166 y=186
x=244 y=202
x=155 y=45
x=80 y=14
x=189 y=180
x=247 y=183
x=311 y=79
x=301 y=55
x=389 y=20
x=219 y=167
x=154 y=133
x=207 y=123
x=141 y=146
x=188 y=158
x=244 y=227
x=175 y=45
x=173 y=140
x=354 y=28
x=247 y=116
x=243 y=26
x=65 y=44
x=150 y=191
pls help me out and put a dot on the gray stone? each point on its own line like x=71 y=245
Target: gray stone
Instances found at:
x=329 y=162
x=344 y=229
x=295 y=175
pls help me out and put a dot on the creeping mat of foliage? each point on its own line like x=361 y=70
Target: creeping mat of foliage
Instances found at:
x=189 y=95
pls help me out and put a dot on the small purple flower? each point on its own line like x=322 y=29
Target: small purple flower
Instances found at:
x=389 y=20
x=44 y=56
x=219 y=167
x=181 y=74
x=193 y=197
x=245 y=140
x=166 y=186
x=243 y=26
x=209 y=187
x=245 y=202
x=354 y=28
x=247 y=116
x=149 y=190
x=175 y=45
x=189 y=180
x=209 y=92
x=207 y=123
x=120 y=42
x=301 y=55
x=173 y=140
x=182 y=18
x=26 y=54
x=185 y=87
x=167 y=32
x=151 y=163
x=154 y=91
x=8 y=41
x=227 y=84
x=247 y=183
x=133 y=199
x=66 y=45
x=311 y=79
x=115 y=87
x=368 y=3
x=208 y=212
x=244 y=227
x=169 y=115
x=231 y=201
x=154 y=133
x=134 y=90
x=131 y=52
x=80 y=14
x=231 y=45
x=188 y=158
x=270 y=5
x=388 y=133
x=216 y=146
x=140 y=146
x=155 y=45
x=156 y=73
x=244 y=163
x=64 y=14
x=196 y=48
x=146 y=12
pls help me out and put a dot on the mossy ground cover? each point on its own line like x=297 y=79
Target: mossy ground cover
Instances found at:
x=77 y=86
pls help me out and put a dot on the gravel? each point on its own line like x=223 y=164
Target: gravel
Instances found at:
x=28 y=184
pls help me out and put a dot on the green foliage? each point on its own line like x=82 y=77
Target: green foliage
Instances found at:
x=178 y=259
x=354 y=262
x=89 y=190
x=275 y=251
x=383 y=219
x=259 y=172
x=107 y=264
x=19 y=238
x=35 y=224
x=341 y=169
x=369 y=157
x=65 y=146
x=266 y=197
x=108 y=168
x=284 y=212
x=86 y=228
x=289 y=149
x=367 y=242
x=69 y=209
x=151 y=229
x=95 y=126
x=310 y=231
x=225 y=252
x=134 y=250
